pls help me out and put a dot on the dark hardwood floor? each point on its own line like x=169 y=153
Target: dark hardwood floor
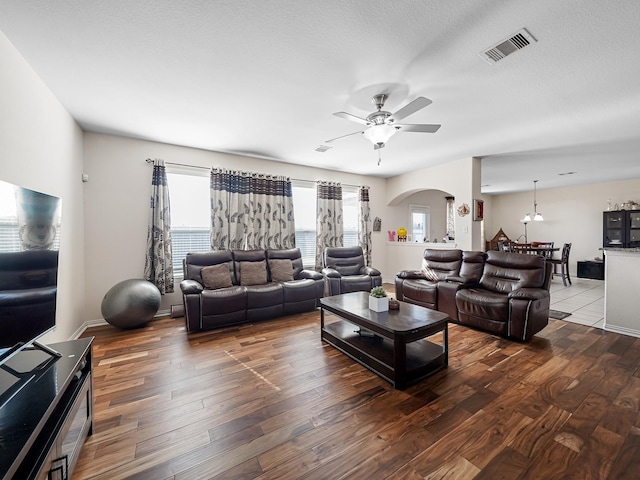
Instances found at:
x=270 y=401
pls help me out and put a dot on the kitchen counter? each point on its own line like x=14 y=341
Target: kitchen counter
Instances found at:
x=621 y=301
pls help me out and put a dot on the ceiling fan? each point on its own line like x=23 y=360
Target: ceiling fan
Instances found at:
x=382 y=125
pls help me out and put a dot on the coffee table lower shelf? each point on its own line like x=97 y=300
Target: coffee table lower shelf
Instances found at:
x=377 y=353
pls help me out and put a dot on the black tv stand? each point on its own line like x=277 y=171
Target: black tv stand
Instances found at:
x=47 y=349
x=44 y=423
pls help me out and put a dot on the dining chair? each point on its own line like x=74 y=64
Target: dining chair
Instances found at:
x=542 y=245
x=521 y=248
x=563 y=261
x=503 y=247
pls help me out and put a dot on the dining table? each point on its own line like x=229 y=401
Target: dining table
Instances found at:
x=529 y=249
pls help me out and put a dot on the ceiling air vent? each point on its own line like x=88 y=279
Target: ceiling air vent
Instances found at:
x=516 y=42
x=322 y=148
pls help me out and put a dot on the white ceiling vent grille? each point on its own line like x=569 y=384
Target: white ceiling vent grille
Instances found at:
x=322 y=148
x=516 y=42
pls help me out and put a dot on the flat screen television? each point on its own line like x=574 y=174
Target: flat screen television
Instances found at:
x=29 y=246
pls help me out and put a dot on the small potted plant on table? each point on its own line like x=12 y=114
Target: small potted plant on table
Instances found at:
x=378 y=300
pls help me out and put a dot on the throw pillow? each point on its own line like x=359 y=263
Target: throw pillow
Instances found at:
x=253 y=273
x=281 y=270
x=216 y=276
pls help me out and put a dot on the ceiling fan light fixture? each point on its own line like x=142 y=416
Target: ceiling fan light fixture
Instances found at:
x=526 y=219
x=377 y=134
x=538 y=217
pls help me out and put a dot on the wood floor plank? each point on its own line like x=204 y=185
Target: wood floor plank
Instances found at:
x=269 y=400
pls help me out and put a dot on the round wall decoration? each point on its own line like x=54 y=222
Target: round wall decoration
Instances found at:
x=464 y=210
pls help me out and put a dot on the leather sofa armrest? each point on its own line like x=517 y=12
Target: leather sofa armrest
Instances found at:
x=331 y=273
x=530 y=294
x=463 y=281
x=372 y=272
x=191 y=286
x=311 y=274
x=411 y=274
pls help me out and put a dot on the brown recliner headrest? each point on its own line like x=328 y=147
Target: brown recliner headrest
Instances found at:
x=505 y=272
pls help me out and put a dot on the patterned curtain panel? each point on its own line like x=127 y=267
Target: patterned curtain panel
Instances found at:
x=251 y=211
x=364 y=225
x=451 y=218
x=158 y=268
x=329 y=225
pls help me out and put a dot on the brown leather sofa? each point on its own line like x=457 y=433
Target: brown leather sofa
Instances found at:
x=499 y=292
x=228 y=287
x=344 y=271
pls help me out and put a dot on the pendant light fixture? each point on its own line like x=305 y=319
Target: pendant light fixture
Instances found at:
x=537 y=216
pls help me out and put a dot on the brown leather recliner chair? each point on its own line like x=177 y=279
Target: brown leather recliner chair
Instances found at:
x=344 y=271
x=512 y=297
x=421 y=286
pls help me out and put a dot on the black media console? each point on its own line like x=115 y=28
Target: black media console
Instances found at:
x=46 y=412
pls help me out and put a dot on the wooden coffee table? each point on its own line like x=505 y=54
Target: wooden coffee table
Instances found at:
x=391 y=344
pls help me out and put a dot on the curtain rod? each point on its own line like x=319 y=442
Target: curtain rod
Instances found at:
x=150 y=160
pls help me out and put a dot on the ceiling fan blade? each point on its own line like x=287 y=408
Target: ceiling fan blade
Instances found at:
x=343 y=136
x=353 y=118
x=421 y=127
x=410 y=108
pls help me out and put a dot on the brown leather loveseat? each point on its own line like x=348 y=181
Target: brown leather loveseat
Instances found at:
x=228 y=287
x=499 y=292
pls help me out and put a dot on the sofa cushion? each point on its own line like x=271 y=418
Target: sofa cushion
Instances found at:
x=253 y=273
x=483 y=304
x=422 y=292
x=216 y=276
x=437 y=265
x=281 y=270
x=355 y=283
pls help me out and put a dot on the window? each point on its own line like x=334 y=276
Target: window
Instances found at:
x=419 y=219
x=350 y=215
x=190 y=213
x=9 y=237
x=304 y=210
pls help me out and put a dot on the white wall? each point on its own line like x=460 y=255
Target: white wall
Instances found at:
x=460 y=178
x=117 y=205
x=41 y=149
x=434 y=199
x=571 y=214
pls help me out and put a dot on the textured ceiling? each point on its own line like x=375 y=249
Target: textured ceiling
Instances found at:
x=263 y=78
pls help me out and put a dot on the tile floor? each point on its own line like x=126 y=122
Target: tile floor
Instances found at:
x=584 y=300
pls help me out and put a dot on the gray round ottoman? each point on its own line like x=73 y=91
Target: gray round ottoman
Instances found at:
x=130 y=303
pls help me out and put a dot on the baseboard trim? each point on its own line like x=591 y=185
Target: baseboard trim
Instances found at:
x=624 y=331
x=101 y=321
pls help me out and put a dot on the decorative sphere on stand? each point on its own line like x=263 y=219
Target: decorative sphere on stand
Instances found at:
x=130 y=303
